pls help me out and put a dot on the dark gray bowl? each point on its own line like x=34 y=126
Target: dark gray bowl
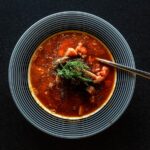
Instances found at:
x=18 y=71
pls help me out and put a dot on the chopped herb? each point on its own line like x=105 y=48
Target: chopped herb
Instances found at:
x=73 y=70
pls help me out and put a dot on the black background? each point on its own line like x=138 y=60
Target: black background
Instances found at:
x=132 y=19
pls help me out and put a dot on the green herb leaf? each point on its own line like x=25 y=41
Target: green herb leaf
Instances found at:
x=73 y=70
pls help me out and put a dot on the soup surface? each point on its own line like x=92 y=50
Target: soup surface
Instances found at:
x=69 y=97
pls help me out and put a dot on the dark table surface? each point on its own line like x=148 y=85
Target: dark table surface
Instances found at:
x=132 y=19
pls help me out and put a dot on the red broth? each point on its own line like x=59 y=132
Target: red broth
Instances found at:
x=67 y=100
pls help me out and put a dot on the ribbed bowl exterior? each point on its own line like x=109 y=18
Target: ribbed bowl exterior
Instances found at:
x=18 y=74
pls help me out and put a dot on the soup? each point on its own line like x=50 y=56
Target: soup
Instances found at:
x=66 y=79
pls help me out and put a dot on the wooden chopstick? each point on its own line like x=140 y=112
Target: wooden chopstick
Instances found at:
x=125 y=68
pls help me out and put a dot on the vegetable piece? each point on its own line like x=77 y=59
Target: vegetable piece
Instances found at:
x=71 y=52
x=92 y=99
x=51 y=85
x=90 y=90
x=81 y=110
x=89 y=74
x=60 y=61
x=96 y=67
x=57 y=79
x=99 y=79
x=80 y=49
x=101 y=75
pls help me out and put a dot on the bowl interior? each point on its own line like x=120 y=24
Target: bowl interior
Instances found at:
x=18 y=74
x=63 y=116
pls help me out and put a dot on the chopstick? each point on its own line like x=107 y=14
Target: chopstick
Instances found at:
x=125 y=68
